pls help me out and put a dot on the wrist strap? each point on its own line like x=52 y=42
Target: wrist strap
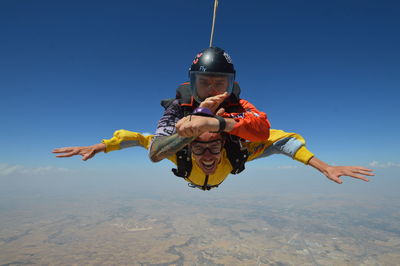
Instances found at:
x=222 y=123
x=203 y=111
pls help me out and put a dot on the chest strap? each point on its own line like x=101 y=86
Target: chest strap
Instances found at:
x=183 y=163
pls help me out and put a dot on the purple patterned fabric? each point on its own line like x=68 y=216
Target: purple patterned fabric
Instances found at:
x=166 y=124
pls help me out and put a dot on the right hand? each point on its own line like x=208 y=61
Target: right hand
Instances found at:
x=86 y=152
x=213 y=102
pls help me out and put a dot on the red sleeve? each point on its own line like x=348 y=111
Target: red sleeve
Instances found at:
x=251 y=125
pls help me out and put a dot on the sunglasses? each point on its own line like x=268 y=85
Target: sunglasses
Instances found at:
x=200 y=147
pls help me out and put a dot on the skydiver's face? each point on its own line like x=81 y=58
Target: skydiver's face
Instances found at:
x=211 y=85
x=206 y=151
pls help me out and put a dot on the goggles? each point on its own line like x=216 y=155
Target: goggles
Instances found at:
x=210 y=84
x=200 y=147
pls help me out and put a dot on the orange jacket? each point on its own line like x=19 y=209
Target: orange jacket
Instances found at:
x=251 y=124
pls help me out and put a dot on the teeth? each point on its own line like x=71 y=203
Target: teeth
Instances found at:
x=208 y=165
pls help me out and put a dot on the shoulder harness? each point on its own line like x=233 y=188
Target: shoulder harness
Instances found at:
x=237 y=155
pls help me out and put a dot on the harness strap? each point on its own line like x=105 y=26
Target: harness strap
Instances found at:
x=237 y=155
x=184 y=163
x=208 y=187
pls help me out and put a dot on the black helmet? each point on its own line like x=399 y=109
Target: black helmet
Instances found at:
x=212 y=61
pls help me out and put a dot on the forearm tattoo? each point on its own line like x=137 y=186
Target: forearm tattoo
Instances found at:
x=166 y=146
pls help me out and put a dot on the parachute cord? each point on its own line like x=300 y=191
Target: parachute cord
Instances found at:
x=213 y=22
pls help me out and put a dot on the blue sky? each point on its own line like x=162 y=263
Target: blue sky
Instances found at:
x=73 y=72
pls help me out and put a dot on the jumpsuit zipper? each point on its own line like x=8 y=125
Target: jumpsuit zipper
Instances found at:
x=205 y=183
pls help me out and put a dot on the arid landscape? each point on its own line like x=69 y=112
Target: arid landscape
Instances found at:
x=198 y=229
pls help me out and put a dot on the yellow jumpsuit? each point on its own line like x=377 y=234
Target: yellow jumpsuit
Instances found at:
x=279 y=142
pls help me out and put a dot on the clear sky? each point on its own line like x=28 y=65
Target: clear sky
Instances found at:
x=73 y=72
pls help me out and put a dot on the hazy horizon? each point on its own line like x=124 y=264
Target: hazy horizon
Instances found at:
x=73 y=72
x=107 y=218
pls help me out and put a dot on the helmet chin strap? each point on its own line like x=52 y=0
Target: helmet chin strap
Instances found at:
x=213 y=22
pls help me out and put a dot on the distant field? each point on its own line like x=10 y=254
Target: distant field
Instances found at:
x=198 y=230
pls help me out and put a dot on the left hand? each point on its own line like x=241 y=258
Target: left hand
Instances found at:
x=335 y=172
x=86 y=152
x=194 y=125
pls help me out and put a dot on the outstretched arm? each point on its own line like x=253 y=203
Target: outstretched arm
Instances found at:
x=293 y=145
x=86 y=152
x=120 y=140
x=335 y=172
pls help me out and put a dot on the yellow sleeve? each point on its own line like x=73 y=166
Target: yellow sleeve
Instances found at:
x=303 y=155
x=280 y=142
x=123 y=139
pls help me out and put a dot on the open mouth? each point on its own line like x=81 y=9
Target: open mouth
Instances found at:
x=208 y=164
